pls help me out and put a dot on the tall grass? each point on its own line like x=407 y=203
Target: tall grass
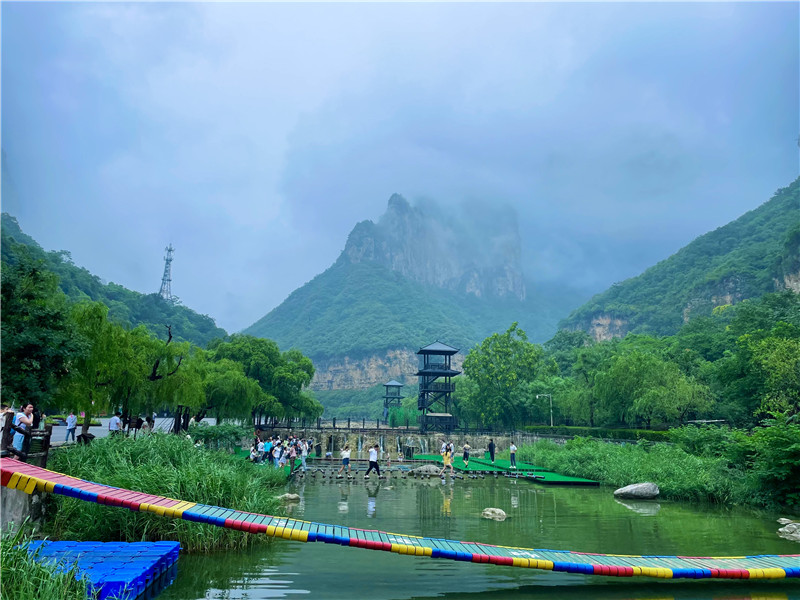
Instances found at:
x=23 y=578
x=164 y=465
x=679 y=475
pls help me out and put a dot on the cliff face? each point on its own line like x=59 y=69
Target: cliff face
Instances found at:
x=346 y=373
x=756 y=254
x=468 y=250
x=604 y=327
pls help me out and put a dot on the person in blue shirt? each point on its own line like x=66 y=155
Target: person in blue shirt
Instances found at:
x=72 y=423
x=24 y=420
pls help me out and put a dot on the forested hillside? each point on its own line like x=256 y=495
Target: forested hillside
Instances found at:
x=754 y=255
x=418 y=274
x=363 y=308
x=125 y=306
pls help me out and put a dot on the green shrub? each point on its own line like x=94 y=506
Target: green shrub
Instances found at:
x=26 y=579
x=165 y=465
x=776 y=459
x=224 y=436
x=708 y=440
x=57 y=419
x=599 y=432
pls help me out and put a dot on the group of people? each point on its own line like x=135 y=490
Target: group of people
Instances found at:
x=374 y=452
x=448 y=450
x=280 y=452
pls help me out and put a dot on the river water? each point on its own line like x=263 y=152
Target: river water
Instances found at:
x=562 y=518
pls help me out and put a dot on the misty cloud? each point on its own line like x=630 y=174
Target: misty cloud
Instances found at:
x=254 y=136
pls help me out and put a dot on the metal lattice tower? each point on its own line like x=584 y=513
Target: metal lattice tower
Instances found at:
x=166 y=281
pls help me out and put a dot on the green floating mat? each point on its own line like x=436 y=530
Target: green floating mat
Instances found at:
x=556 y=479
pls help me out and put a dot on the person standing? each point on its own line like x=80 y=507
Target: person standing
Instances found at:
x=284 y=455
x=115 y=424
x=373 y=461
x=512 y=452
x=292 y=456
x=268 y=451
x=447 y=459
x=345 y=454
x=23 y=420
x=276 y=453
x=466 y=453
x=260 y=450
x=491 y=450
x=72 y=424
x=303 y=454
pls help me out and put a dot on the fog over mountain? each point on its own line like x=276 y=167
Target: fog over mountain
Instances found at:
x=254 y=136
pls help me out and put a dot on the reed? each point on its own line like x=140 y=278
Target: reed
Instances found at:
x=164 y=465
x=679 y=475
x=24 y=578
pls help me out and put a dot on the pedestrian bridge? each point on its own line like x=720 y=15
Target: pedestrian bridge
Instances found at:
x=29 y=478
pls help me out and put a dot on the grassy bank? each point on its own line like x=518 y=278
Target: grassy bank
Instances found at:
x=679 y=475
x=164 y=465
x=25 y=579
x=716 y=464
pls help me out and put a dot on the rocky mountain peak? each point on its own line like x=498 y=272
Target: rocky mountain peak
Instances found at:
x=474 y=249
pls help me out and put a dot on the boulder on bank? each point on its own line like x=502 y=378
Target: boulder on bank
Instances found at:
x=495 y=514
x=289 y=498
x=638 y=491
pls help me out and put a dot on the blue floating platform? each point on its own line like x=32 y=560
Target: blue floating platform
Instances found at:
x=114 y=569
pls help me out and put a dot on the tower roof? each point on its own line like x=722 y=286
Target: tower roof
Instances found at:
x=437 y=347
x=393 y=383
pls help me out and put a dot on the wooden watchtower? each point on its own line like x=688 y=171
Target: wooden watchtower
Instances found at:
x=436 y=387
x=391 y=397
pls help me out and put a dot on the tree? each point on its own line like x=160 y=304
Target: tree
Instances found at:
x=644 y=386
x=229 y=393
x=38 y=338
x=499 y=367
x=778 y=360
x=88 y=387
x=282 y=377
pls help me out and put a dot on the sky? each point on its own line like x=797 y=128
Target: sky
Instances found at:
x=254 y=136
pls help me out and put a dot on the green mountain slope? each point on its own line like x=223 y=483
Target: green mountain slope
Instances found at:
x=746 y=258
x=125 y=306
x=363 y=308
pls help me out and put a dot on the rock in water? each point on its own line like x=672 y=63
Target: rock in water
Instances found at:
x=427 y=470
x=638 y=491
x=495 y=514
x=289 y=498
x=791 y=531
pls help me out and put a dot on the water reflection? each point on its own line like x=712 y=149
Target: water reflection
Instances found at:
x=344 y=491
x=372 y=498
x=648 y=508
x=587 y=520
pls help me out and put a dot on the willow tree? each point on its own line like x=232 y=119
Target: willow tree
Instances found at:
x=282 y=377
x=229 y=393
x=89 y=387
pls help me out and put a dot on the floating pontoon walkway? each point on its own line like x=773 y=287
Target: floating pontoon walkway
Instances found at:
x=524 y=470
x=29 y=478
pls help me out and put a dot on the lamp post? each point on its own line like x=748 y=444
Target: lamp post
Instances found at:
x=551 y=405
